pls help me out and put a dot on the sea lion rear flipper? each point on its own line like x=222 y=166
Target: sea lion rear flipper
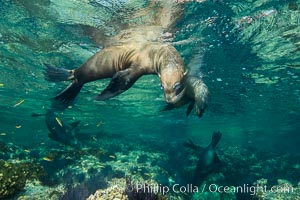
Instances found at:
x=55 y=74
x=68 y=95
x=190 y=108
x=120 y=82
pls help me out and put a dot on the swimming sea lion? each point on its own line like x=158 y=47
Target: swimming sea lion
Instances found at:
x=208 y=160
x=59 y=131
x=125 y=64
x=196 y=93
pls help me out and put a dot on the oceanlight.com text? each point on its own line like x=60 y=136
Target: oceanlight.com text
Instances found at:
x=213 y=188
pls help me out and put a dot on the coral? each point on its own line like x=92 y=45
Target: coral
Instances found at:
x=78 y=192
x=141 y=194
x=125 y=190
x=113 y=192
x=13 y=176
x=84 y=188
x=34 y=190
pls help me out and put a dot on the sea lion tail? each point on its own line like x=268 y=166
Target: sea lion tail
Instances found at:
x=68 y=95
x=216 y=138
x=55 y=74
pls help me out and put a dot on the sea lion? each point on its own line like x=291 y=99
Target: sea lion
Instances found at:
x=125 y=64
x=59 y=131
x=196 y=94
x=208 y=160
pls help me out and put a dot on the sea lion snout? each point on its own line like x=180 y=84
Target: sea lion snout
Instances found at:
x=173 y=84
x=173 y=96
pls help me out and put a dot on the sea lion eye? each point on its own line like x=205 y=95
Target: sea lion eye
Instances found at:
x=176 y=86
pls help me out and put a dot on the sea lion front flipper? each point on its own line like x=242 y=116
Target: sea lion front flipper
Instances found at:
x=37 y=114
x=190 y=144
x=168 y=107
x=74 y=124
x=120 y=82
x=190 y=108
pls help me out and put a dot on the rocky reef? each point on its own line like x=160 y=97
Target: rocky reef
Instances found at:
x=13 y=176
x=122 y=189
x=113 y=192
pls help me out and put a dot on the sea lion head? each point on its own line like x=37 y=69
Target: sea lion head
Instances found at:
x=201 y=98
x=173 y=84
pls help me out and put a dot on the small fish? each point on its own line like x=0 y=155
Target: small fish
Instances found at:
x=2 y=134
x=18 y=126
x=112 y=156
x=27 y=151
x=19 y=103
x=59 y=121
x=94 y=138
x=100 y=123
x=1 y=84
x=101 y=166
x=147 y=174
x=48 y=159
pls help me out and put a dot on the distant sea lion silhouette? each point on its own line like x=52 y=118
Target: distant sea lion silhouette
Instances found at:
x=59 y=131
x=125 y=64
x=208 y=160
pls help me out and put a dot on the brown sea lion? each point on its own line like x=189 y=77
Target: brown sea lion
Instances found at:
x=125 y=64
x=196 y=93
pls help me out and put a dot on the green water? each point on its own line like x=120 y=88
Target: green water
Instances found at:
x=251 y=67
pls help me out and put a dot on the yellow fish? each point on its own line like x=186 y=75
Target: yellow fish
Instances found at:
x=58 y=121
x=100 y=123
x=48 y=159
x=1 y=84
x=27 y=151
x=19 y=103
x=18 y=126
x=112 y=156
x=3 y=134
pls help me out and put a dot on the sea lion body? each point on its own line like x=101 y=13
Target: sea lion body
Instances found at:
x=208 y=161
x=125 y=64
x=59 y=131
x=198 y=93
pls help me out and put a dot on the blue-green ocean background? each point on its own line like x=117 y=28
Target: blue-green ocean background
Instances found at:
x=251 y=68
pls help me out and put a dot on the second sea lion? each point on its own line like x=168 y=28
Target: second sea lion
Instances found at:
x=208 y=160
x=196 y=94
x=125 y=64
